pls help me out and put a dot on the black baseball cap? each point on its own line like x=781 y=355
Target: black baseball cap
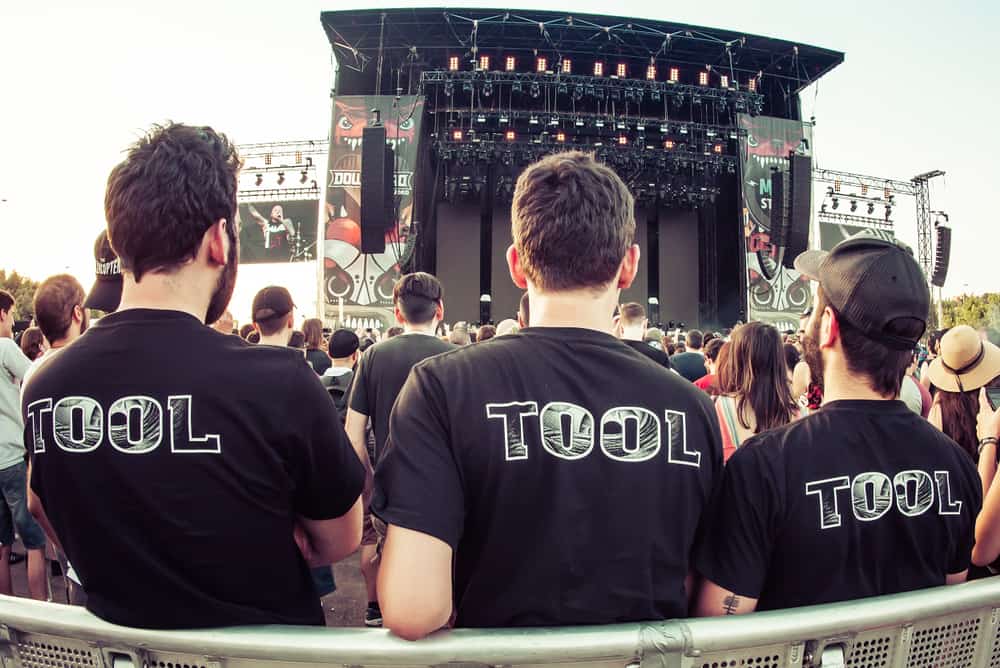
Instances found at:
x=872 y=280
x=343 y=343
x=271 y=302
x=106 y=292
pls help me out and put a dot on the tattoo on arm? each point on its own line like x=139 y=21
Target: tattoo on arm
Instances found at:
x=730 y=603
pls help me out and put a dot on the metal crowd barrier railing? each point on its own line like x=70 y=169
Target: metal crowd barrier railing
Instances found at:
x=946 y=626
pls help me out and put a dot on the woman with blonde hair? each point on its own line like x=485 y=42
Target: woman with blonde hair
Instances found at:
x=753 y=380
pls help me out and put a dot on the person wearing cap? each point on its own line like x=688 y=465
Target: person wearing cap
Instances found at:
x=273 y=317
x=180 y=505
x=106 y=292
x=862 y=497
x=965 y=364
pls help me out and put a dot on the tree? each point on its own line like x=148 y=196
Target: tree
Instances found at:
x=23 y=289
x=973 y=310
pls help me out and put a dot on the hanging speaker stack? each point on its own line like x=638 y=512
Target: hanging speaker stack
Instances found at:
x=941 y=256
x=377 y=194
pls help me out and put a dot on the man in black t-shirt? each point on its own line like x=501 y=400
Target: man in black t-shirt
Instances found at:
x=632 y=324
x=178 y=504
x=419 y=306
x=691 y=362
x=862 y=497
x=553 y=476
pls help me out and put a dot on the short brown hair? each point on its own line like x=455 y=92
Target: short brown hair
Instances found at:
x=632 y=313
x=273 y=325
x=572 y=221
x=313 y=331
x=417 y=296
x=54 y=301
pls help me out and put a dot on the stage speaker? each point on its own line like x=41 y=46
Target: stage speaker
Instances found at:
x=799 y=208
x=941 y=256
x=377 y=193
x=779 y=213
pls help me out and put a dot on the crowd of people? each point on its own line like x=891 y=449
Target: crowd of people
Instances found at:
x=568 y=466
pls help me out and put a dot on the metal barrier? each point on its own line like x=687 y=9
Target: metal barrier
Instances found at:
x=942 y=627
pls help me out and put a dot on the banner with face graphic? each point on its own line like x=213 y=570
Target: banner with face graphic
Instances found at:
x=357 y=287
x=775 y=294
x=277 y=231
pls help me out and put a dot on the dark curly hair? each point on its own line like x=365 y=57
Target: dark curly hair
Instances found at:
x=175 y=183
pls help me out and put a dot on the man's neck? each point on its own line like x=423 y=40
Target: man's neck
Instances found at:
x=168 y=292
x=632 y=334
x=427 y=328
x=63 y=342
x=584 y=309
x=280 y=339
x=840 y=385
x=347 y=363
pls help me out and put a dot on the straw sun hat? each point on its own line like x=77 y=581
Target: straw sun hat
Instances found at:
x=966 y=362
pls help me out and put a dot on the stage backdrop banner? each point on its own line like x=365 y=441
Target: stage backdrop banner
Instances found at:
x=277 y=231
x=775 y=294
x=357 y=287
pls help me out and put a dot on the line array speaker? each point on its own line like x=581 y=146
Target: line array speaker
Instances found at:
x=779 y=213
x=799 y=208
x=377 y=193
x=942 y=255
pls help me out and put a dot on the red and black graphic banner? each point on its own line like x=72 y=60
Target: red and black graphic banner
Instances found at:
x=775 y=294
x=358 y=285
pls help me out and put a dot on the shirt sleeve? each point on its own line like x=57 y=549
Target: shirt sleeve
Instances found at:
x=326 y=473
x=418 y=484
x=14 y=361
x=735 y=547
x=359 y=388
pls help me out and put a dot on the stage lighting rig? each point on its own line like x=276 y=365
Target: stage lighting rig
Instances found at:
x=281 y=178
x=260 y=180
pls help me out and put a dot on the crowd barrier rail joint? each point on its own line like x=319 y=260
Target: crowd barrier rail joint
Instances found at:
x=945 y=627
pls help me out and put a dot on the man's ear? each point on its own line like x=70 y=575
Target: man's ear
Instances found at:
x=514 y=266
x=829 y=329
x=218 y=242
x=629 y=267
x=399 y=315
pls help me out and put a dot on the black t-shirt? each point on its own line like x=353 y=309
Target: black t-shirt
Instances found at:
x=690 y=365
x=381 y=373
x=172 y=461
x=859 y=499
x=567 y=472
x=649 y=351
x=319 y=360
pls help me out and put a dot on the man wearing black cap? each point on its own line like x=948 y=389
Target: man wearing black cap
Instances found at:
x=862 y=497
x=273 y=315
x=179 y=505
x=107 y=289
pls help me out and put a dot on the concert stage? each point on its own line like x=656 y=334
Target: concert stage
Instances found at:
x=700 y=123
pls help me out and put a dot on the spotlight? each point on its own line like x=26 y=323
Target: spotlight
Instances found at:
x=836 y=186
x=509 y=63
x=675 y=74
x=664 y=128
x=836 y=203
x=510 y=135
x=599 y=123
x=535 y=89
x=533 y=120
x=453 y=63
x=871 y=208
x=484 y=63
x=456 y=135
x=260 y=179
x=717 y=149
x=703 y=78
x=578 y=122
x=560 y=136
x=622 y=140
x=651 y=72
x=598 y=69
x=281 y=178
x=448 y=88
x=622 y=70
x=724 y=81
x=684 y=129
x=542 y=64
x=567 y=66
x=304 y=177
x=888 y=211
x=752 y=85
x=822 y=209
x=640 y=127
x=554 y=120
x=854 y=206
x=669 y=145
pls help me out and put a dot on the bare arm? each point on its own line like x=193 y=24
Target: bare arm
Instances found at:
x=414 y=583
x=715 y=601
x=38 y=512
x=800 y=380
x=956 y=578
x=987 y=547
x=355 y=427
x=325 y=542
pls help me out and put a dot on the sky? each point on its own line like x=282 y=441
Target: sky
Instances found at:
x=915 y=93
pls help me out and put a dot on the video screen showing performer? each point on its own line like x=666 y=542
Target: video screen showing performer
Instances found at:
x=278 y=231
